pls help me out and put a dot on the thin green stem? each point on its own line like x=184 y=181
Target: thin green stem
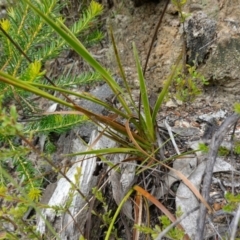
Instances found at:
x=109 y=231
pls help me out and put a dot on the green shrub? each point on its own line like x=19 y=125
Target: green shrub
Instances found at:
x=188 y=86
x=25 y=32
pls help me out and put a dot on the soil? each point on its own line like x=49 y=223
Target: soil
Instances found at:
x=137 y=25
x=131 y=24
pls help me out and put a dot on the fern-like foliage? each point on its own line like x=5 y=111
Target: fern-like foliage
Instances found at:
x=82 y=79
x=40 y=43
x=36 y=39
x=55 y=123
x=25 y=32
x=29 y=32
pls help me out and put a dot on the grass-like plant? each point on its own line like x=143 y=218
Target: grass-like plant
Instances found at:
x=140 y=140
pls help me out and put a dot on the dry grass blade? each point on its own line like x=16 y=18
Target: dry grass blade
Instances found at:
x=138 y=215
x=156 y=203
x=235 y=224
x=3 y=235
x=192 y=188
x=107 y=121
x=172 y=137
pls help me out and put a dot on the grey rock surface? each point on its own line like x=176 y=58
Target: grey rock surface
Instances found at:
x=223 y=65
x=200 y=32
x=62 y=222
x=103 y=93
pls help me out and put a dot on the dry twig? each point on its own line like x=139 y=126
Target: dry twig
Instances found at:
x=166 y=230
x=235 y=224
x=215 y=144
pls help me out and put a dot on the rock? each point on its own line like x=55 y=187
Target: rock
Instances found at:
x=189 y=201
x=222 y=68
x=200 y=32
x=103 y=93
x=63 y=222
x=212 y=38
